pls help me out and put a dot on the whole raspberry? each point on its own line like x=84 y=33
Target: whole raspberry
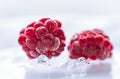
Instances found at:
x=92 y=44
x=43 y=37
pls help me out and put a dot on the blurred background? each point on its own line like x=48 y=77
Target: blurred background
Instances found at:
x=15 y=8
x=75 y=15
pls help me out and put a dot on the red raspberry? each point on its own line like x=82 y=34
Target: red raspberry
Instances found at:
x=41 y=31
x=25 y=48
x=58 y=24
x=48 y=40
x=22 y=31
x=43 y=37
x=61 y=48
x=30 y=32
x=22 y=39
x=93 y=44
x=38 y=24
x=31 y=43
x=32 y=54
x=43 y=20
x=31 y=24
x=51 y=25
x=59 y=33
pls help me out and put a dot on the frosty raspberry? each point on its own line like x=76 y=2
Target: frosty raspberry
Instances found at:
x=93 y=44
x=42 y=37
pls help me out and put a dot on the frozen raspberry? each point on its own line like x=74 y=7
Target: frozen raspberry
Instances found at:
x=32 y=54
x=41 y=31
x=51 y=25
x=38 y=24
x=22 y=31
x=31 y=24
x=22 y=39
x=56 y=44
x=58 y=24
x=43 y=20
x=42 y=37
x=92 y=44
x=30 y=32
x=62 y=45
x=59 y=33
x=31 y=43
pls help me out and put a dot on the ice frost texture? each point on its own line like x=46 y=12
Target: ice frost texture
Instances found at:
x=92 y=44
x=44 y=37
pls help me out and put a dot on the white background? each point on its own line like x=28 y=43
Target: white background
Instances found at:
x=13 y=8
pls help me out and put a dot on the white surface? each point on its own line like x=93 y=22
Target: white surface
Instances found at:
x=14 y=66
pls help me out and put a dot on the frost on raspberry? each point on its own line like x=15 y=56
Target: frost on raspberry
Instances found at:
x=43 y=37
x=92 y=44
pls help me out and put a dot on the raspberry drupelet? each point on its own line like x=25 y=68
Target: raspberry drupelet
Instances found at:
x=42 y=37
x=93 y=44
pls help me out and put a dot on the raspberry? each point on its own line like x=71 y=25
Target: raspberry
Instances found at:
x=31 y=43
x=41 y=48
x=41 y=31
x=47 y=40
x=51 y=25
x=56 y=44
x=25 y=48
x=61 y=48
x=30 y=32
x=43 y=20
x=38 y=24
x=58 y=24
x=31 y=24
x=92 y=44
x=22 y=31
x=42 y=37
x=59 y=33
x=32 y=54
x=22 y=39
